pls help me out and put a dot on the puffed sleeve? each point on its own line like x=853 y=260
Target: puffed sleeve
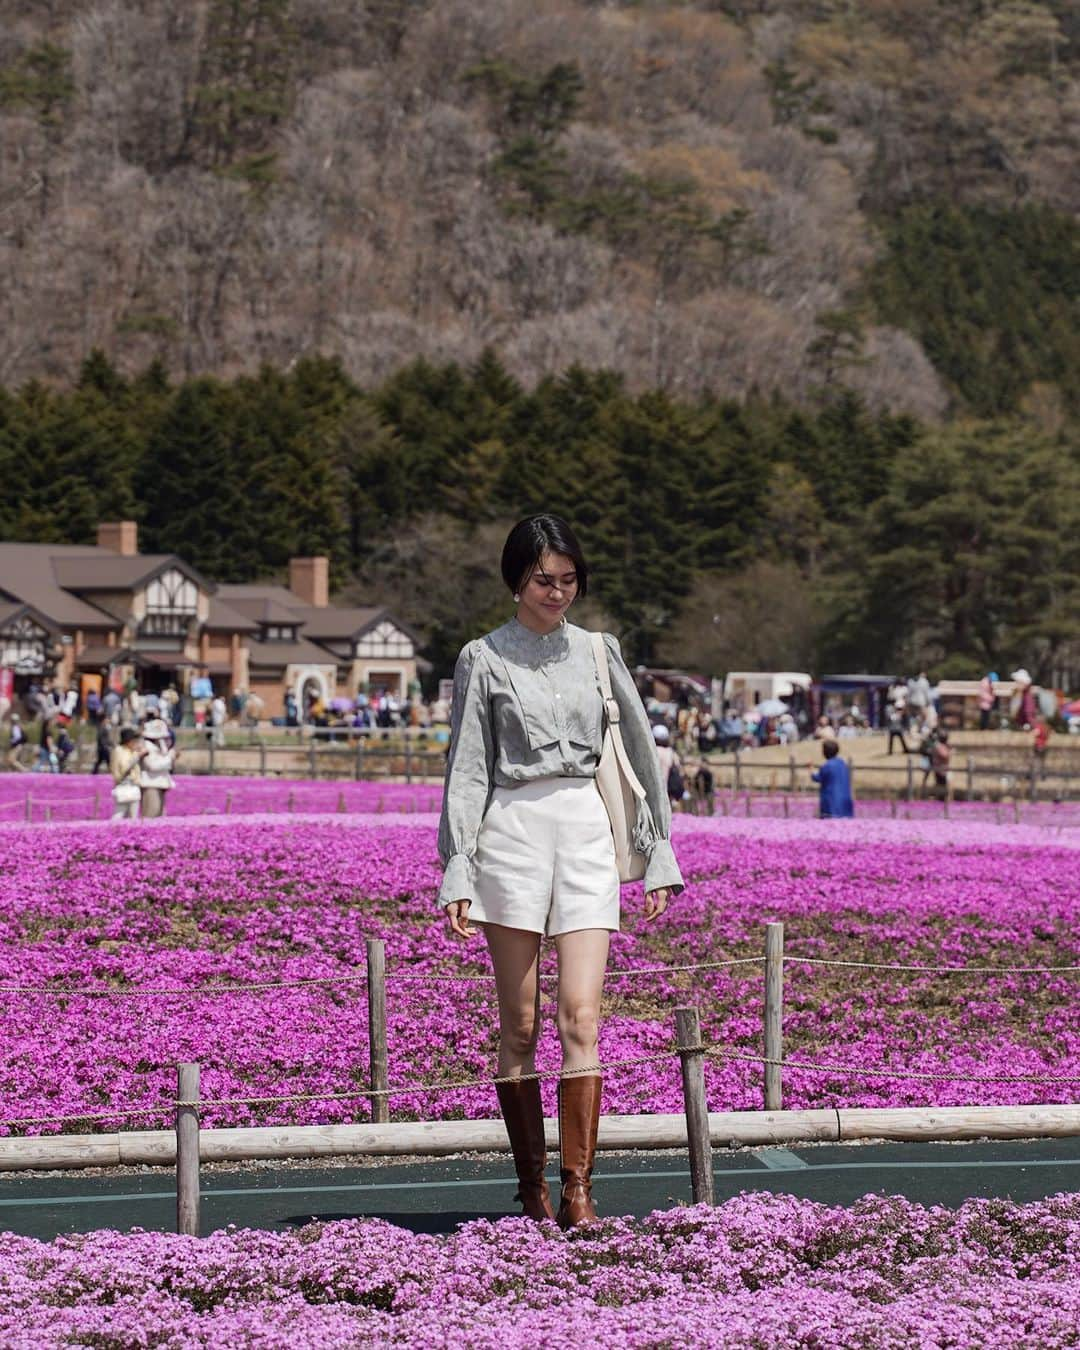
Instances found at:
x=653 y=833
x=469 y=769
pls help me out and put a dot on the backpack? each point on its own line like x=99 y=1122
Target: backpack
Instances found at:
x=676 y=787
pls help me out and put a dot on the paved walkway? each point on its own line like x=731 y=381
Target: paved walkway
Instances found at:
x=435 y=1196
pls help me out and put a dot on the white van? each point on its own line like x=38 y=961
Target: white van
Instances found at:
x=745 y=689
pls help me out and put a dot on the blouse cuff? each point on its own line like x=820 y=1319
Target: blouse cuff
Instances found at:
x=457 y=882
x=661 y=869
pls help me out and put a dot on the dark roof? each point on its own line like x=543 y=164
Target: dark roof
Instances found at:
x=321 y=622
x=96 y=656
x=223 y=618
x=107 y=571
x=15 y=610
x=277 y=655
x=263 y=604
x=27 y=573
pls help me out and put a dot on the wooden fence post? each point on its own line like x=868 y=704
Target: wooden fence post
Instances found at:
x=228 y=803
x=341 y=801
x=738 y=768
x=970 y=779
x=311 y=757
x=688 y=1036
x=408 y=757
x=910 y=779
x=28 y=809
x=292 y=801
x=376 y=993
x=792 y=780
x=262 y=758
x=774 y=1013
x=892 y=807
x=97 y=803
x=187 y=1151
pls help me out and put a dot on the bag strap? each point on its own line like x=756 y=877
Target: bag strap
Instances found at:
x=611 y=709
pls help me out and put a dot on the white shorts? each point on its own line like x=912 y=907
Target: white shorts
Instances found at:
x=545 y=859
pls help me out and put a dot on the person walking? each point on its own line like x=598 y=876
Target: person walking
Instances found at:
x=940 y=759
x=987 y=699
x=526 y=843
x=1040 y=748
x=155 y=777
x=834 y=798
x=46 y=756
x=16 y=743
x=126 y=761
x=671 y=769
x=103 y=758
x=894 y=719
x=219 y=711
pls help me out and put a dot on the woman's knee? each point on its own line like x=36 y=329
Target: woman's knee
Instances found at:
x=579 y=1024
x=519 y=1031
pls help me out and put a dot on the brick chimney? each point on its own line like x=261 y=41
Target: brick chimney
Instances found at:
x=119 y=536
x=309 y=578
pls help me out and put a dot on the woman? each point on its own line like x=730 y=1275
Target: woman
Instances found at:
x=526 y=844
x=156 y=774
x=127 y=758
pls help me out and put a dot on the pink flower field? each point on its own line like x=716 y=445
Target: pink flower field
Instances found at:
x=93 y=913
x=190 y=904
x=760 y=1271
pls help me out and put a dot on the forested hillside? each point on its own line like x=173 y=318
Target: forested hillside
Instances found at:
x=778 y=299
x=714 y=196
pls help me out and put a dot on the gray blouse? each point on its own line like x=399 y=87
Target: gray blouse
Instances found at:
x=529 y=706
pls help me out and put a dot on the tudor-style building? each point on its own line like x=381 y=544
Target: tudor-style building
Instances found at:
x=109 y=612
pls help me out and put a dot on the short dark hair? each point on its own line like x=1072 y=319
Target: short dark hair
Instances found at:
x=534 y=536
x=830 y=749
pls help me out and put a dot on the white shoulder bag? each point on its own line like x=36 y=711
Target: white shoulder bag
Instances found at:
x=615 y=777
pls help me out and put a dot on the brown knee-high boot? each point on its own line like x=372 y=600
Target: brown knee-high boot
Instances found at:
x=579 y=1119
x=524 y=1117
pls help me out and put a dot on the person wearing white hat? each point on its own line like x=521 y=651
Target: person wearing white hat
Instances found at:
x=157 y=766
x=670 y=764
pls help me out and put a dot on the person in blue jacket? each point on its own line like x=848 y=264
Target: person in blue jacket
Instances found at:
x=835 y=779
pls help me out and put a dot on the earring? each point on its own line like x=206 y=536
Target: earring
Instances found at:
x=516 y=597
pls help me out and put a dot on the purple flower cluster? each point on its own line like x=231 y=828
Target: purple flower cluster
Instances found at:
x=72 y=797
x=761 y=1270
x=212 y=900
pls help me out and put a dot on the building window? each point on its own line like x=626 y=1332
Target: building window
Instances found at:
x=278 y=632
x=172 y=602
x=23 y=647
x=383 y=642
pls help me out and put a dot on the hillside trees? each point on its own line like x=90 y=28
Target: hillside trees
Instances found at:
x=969 y=559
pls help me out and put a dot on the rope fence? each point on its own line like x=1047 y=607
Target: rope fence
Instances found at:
x=1050 y=815
x=440 y=977
x=459 y=1085
x=687 y=1045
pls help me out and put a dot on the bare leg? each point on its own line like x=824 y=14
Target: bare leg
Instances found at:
x=582 y=961
x=515 y=956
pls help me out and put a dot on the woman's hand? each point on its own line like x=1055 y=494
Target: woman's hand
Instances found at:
x=457 y=911
x=656 y=902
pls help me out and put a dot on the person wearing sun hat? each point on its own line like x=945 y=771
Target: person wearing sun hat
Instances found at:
x=157 y=767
